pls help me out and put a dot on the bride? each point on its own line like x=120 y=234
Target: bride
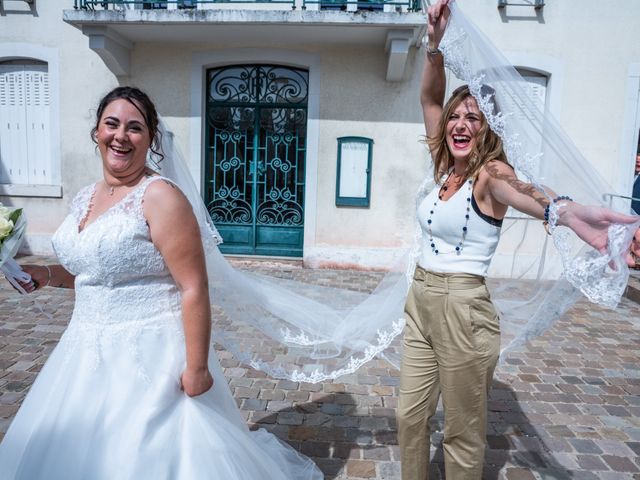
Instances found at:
x=132 y=390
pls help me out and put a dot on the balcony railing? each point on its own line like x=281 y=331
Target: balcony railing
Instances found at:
x=161 y=4
x=409 y=5
x=610 y=198
x=400 y=5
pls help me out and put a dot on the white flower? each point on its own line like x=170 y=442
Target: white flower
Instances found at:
x=6 y=227
x=4 y=212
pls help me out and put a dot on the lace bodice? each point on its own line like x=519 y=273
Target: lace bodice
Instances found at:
x=121 y=276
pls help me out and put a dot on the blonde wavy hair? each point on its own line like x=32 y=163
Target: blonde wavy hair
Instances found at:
x=488 y=145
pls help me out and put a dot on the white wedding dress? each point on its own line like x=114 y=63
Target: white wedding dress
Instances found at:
x=107 y=404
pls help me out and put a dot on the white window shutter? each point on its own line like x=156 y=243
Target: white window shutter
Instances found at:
x=536 y=88
x=37 y=101
x=13 y=134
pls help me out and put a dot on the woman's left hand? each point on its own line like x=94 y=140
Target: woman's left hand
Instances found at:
x=40 y=277
x=195 y=382
x=592 y=224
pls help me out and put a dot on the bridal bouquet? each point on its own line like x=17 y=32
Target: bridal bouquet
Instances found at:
x=12 y=229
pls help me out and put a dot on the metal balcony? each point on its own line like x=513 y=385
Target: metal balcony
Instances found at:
x=345 y=5
x=115 y=26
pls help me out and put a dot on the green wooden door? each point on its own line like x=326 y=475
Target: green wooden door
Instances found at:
x=256 y=120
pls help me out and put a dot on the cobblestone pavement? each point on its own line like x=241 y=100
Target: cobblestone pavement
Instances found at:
x=566 y=407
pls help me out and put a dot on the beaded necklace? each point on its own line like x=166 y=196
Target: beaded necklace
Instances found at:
x=458 y=250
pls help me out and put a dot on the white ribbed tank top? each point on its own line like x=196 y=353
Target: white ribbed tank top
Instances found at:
x=447 y=222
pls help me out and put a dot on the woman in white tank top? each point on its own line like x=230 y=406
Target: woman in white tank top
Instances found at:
x=452 y=334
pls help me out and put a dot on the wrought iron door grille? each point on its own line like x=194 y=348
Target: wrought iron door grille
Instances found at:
x=255 y=157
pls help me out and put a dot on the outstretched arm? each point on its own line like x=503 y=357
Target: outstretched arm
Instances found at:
x=590 y=223
x=176 y=234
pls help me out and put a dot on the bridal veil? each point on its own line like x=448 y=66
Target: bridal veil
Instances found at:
x=312 y=333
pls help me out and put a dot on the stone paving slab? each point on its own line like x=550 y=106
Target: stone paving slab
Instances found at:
x=565 y=407
x=633 y=287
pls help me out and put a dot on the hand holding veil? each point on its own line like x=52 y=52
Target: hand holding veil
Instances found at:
x=304 y=332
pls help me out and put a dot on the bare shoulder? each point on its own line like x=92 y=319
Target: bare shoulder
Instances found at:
x=496 y=169
x=498 y=166
x=489 y=176
x=164 y=196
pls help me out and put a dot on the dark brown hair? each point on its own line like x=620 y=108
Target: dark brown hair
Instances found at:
x=144 y=105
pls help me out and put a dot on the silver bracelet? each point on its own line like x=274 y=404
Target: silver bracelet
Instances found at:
x=432 y=51
x=430 y=47
x=49 y=272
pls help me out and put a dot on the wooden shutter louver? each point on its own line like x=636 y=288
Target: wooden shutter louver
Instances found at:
x=25 y=152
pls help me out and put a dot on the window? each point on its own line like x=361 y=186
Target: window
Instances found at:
x=353 y=183
x=25 y=143
x=535 y=85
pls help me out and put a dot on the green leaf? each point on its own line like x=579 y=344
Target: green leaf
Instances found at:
x=15 y=215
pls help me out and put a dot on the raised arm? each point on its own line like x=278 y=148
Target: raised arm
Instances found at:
x=176 y=234
x=433 y=85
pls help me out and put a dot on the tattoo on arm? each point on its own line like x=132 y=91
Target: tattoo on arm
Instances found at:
x=517 y=184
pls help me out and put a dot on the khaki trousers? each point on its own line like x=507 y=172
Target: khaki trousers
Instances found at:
x=451 y=346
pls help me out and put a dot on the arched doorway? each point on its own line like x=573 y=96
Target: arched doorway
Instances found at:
x=255 y=148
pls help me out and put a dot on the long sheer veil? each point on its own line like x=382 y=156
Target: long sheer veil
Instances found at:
x=290 y=329
x=544 y=155
x=311 y=333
